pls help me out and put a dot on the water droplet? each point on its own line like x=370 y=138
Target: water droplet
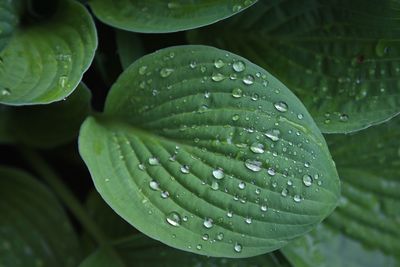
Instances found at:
x=237 y=93
x=229 y=214
x=142 y=70
x=248 y=220
x=154 y=161
x=173 y=5
x=242 y=185
x=141 y=167
x=165 y=194
x=154 y=185
x=273 y=134
x=343 y=117
x=165 y=72
x=219 y=63
x=208 y=223
x=248 y=80
x=253 y=165
x=263 y=207
x=271 y=171
x=281 y=106
x=257 y=148
x=300 y=116
x=307 y=180
x=5 y=92
x=238 y=66
x=205 y=237
x=218 y=77
x=215 y=185
x=237 y=248
x=174 y=219
x=62 y=81
x=235 y=117
x=193 y=64
x=220 y=236
x=297 y=198
x=185 y=169
x=284 y=192
x=218 y=173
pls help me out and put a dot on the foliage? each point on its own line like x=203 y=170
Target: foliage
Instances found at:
x=256 y=133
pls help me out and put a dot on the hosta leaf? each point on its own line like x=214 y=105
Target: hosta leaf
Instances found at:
x=140 y=251
x=34 y=230
x=341 y=58
x=367 y=219
x=8 y=20
x=44 y=61
x=157 y=16
x=130 y=47
x=197 y=141
x=61 y=124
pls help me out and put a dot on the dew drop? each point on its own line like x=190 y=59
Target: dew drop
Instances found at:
x=237 y=93
x=242 y=185
x=174 y=219
x=229 y=214
x=220 y=236
x=263 y=208
x=218 y=173
x=214 y=185
x=297 y=198
x=219 y=63
x=218 y=77
x=343 y=117
x=248 y=80
x=248 y=220
x=5 y=92
x=235 y=117
x=253 y=165
x=165 y=72
x=153 y=161
x=208 y=223
x=154 y=185
x=300 y=116
x=205 y=237
x=257 y=148
x=164 y=194
x=185 y=169
x=284 y=192
x=142 y=70
x=62 y=81
x=281 y=106
x=237 y=247
x=273 y=134
x=307 y=180
x=238 y=66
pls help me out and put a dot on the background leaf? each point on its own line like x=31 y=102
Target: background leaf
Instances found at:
x=341 y=58
x=45 y=60
x=26 y=125
x=34 y=230
x=158 y=16
x=363 y=230
x=130 y=47
x=197 y=144
x=8 y=20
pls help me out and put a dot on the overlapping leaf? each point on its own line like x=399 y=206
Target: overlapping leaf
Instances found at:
x=364 y=230
x=158 y=16
x=44 y=61
x=34 y=230
x=45 y=126
x=340 y=57
x=209 y=153
x=8 y=20
x=130 y=47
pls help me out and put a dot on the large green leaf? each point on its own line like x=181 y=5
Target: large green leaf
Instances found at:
x=34 y=229
x=45 y=126
x=140 y=251
x=364 y=229
x=156 y=16
x=198 y=142
x=8 y=20
x=44 y=61
x=130 y=47
x=340 y=57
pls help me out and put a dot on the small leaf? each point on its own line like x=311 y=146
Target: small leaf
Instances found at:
x=130 y=47
x=340 y=57
x=165 y=16
x=44 y=62
x=364 y=229
x=196 y=140
x=61 y=124
x=34 y=229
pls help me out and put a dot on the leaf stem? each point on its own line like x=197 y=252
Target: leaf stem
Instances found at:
x=42 y=168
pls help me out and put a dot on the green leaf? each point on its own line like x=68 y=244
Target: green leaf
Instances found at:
x=364 y=227
x=140 y=251
x=195 y=140
x=159 y=16
x=44 y=61
x=34 y=229
x=130 y=47
x=27 y=125
x=8 y=21
x=341 y=58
